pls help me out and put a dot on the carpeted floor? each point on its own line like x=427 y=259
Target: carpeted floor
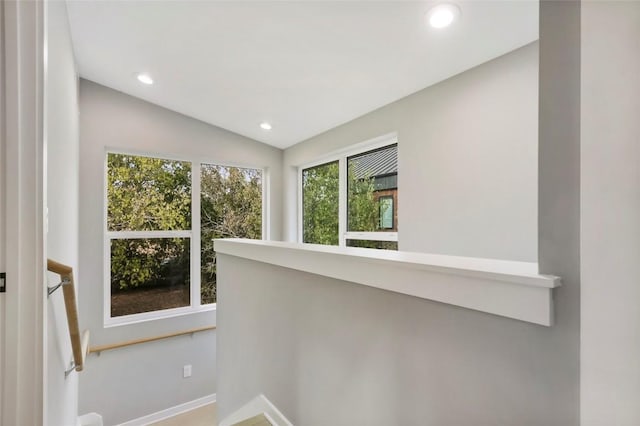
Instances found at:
x=203 y=416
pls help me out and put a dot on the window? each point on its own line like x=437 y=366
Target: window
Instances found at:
x=385 y=207
x=352 y=200
x=159 y=248
x=230 y=207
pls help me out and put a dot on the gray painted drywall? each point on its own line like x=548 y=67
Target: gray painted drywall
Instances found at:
x=330 y=352
x=467 y=161
x=2 y=208
x=140 y=380
x=61 y=127
x=610 y=214
x=150 y=375
x=559 y=182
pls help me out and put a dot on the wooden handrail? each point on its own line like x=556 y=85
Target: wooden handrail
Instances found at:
x=59 y=268
x=97 y=349
x=79 y=345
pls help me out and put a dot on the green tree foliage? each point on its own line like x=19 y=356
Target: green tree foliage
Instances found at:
x=230 y=207
x=148 y=194
x=364 y=213
x=320 y=187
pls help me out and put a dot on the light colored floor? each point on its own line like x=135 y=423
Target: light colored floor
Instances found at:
x=203 y=416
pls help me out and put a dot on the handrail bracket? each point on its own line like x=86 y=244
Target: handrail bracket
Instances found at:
x=71 y=369
x=53 y=288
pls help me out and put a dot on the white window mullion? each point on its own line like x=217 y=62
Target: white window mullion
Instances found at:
x=342 y=203
x=265 y=181
x=299 y=206
x=129 y=235
x=106 y=269
x=195 y=240
x=300 y=237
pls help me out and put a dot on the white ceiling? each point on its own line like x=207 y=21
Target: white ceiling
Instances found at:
x=304 y=66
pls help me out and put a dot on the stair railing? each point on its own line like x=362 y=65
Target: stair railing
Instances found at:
x=79 y=345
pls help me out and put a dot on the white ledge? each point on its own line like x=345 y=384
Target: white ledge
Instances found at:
x=500 y=287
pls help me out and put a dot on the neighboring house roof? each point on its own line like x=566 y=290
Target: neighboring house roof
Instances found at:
x=378 y=163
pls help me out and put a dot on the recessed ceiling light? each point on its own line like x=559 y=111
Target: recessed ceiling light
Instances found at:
x=443 y=15
x=144 y=78
x=265 y=126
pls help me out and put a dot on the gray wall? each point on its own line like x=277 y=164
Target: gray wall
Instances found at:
x=130 y=383
x=332 y=352
x=61 y=127
x=144 y=379
x=329 y=352
x=559 y=182
x=2 y=207
x=610 y=213
x=467 y=161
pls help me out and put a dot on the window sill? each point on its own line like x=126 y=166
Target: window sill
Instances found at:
x=156 y=315
x=506 y=288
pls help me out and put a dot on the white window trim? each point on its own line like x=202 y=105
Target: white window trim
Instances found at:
x=195 y=306
x=341 y=156
x=371 y=236
x=129 y=235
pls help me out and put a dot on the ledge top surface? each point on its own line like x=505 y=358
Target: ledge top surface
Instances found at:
x=524 y=273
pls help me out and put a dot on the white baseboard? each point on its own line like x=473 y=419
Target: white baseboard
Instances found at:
x=258 y=405
x=170 y=412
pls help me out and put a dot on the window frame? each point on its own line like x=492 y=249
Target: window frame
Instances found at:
x=342 y=156
x=193 y=234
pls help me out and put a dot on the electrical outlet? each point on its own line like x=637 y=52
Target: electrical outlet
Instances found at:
x=186 y=371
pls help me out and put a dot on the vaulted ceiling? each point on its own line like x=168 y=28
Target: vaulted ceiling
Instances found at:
x=303 y=66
